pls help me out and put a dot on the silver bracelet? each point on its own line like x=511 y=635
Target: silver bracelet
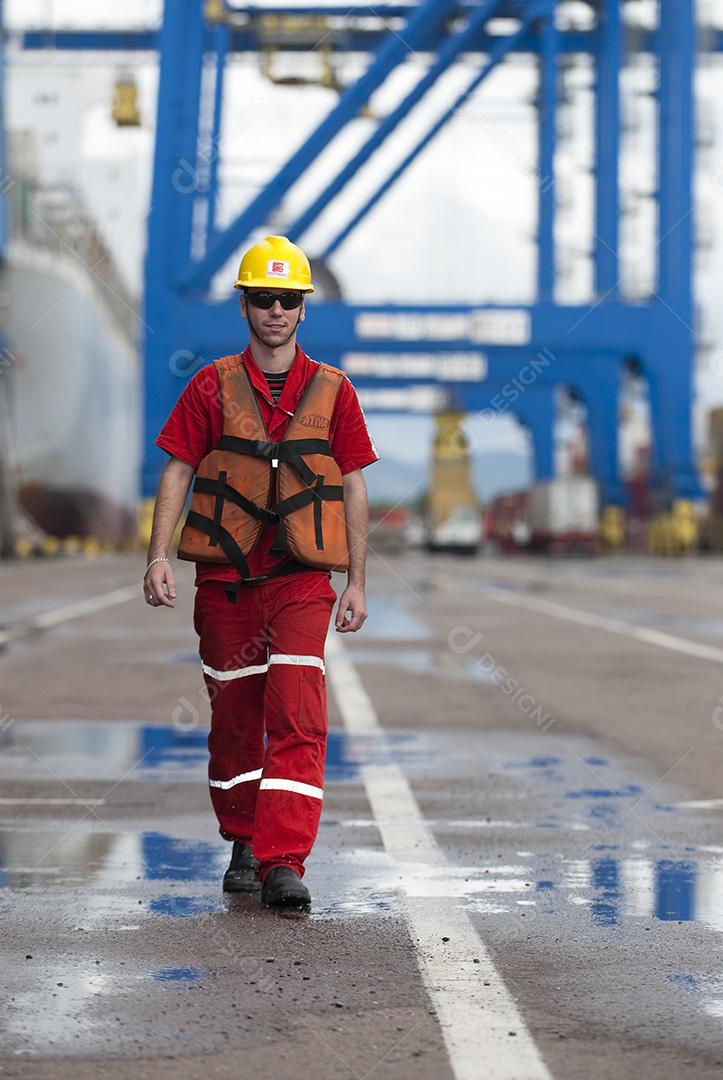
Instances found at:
x=161 y=558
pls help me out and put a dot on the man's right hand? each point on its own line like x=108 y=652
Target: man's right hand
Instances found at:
x=159 y=587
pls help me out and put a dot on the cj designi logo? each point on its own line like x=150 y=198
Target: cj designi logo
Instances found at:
x=315 y=421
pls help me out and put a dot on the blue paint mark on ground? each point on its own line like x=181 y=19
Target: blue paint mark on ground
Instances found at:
x=178 y=974
x=604 y=793
x=539 y=762
x=688 y=982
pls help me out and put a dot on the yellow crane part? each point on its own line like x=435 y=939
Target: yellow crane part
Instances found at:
x=125 y=110
x=450 y=484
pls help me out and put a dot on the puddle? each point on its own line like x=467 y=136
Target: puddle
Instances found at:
x=519 y=585
x=54 y=852
x=136 y=873
x=111 y=750
x=102 y=878
x=391 y=620
x=708 y=986
x=442 y=663
x=550 y=845
x=365 y=900
x=607 y=892
x=583 y=852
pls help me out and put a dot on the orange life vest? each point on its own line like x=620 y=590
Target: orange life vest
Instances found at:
x=234 y=485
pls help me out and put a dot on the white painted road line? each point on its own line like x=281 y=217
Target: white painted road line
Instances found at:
x=60 y=615
x=607 y=622
x=477 y=1020
x=700 y=804
x=51 y=802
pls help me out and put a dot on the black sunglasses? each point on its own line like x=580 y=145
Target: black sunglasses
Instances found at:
x=266 y=300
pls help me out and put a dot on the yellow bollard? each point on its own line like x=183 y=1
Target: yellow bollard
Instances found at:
x=145 y=522
x=612 y=527
x=91 y=547
x=676 y=531
x=23 y=547
x=50 y=545
x=685 y=525
x=72 y=545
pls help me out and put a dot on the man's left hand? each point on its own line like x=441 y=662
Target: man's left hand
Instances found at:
x=352 y=600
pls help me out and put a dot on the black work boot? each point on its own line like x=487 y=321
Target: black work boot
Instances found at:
x=283 y=888
x=241 y=873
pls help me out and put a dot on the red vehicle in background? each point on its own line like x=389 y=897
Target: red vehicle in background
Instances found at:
x=505 y=520
x=388 y=527
x=559 y=517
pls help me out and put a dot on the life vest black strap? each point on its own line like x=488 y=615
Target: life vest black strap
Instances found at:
x=289 y=450
x=224 y=540
x=333 y=492
x=280 y=546
x=315 y=495
x=218 y=509
x=223 y=490
x=291 y=566
x=284 y=450
x=317 y=512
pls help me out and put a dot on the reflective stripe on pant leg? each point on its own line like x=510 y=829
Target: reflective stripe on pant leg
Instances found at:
x=275 y=783
x=295 y=658
x=290 y=797
x=235 y=673
x=242 y=778
x=234 y=655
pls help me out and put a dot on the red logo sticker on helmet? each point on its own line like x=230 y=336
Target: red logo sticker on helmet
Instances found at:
x=277 y=268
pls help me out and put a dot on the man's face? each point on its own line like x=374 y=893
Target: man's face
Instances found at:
x=273 y=326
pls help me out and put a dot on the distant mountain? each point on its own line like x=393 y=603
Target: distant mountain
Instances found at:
x=391 y=480
x=498 y=471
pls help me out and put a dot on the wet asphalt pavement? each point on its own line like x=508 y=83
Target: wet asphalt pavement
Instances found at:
x=567 y=763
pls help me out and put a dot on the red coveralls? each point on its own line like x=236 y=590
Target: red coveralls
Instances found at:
x=263 y=656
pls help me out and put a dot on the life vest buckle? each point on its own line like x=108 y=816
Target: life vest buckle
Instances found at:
x=267 y=448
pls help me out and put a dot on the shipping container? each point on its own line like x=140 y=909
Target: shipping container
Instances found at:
x=563 y=516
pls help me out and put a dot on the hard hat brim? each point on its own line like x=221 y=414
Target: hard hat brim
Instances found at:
x=288 y=286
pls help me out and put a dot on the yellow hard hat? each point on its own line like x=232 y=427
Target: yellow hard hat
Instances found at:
x=275 y=263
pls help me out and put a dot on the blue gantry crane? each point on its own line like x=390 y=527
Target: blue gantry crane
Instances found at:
x=474 y=356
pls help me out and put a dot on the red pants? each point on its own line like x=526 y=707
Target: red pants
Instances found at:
x=263 y=663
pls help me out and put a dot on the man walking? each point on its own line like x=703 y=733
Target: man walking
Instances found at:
x=277 y=443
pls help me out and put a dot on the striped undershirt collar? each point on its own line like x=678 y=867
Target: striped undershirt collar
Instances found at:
x=276 y=380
